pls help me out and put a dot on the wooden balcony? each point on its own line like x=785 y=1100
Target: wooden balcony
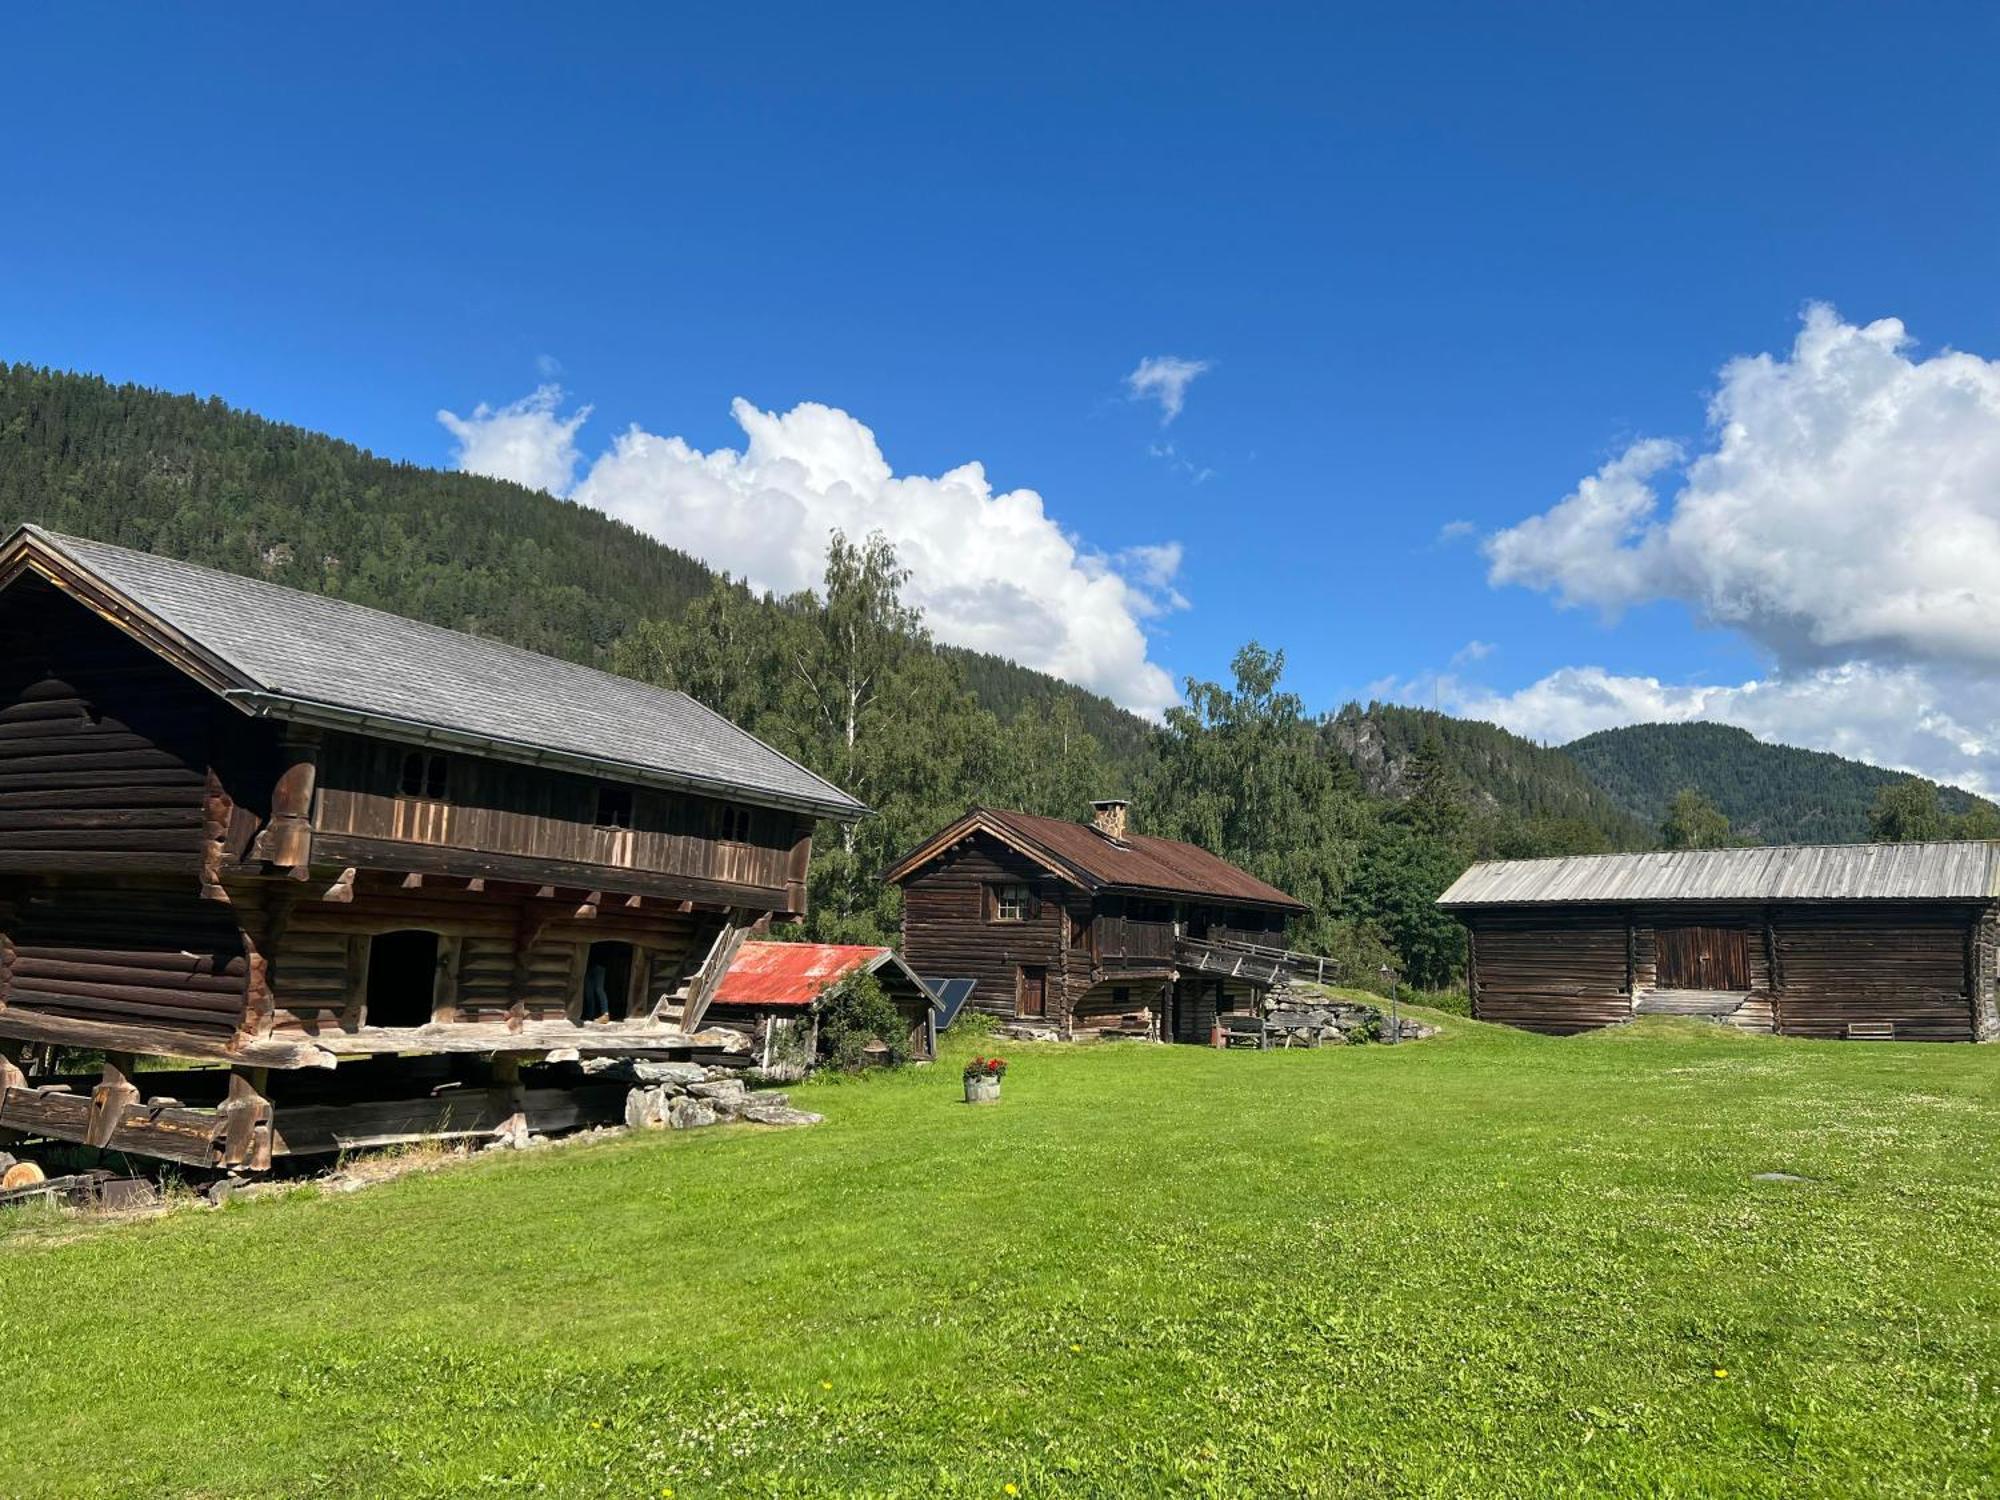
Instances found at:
x=1122 y=943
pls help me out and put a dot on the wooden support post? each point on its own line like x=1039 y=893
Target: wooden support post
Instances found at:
x=110 y=1099
x=246 y=1121
x=11 y=1075
x=510 y=1098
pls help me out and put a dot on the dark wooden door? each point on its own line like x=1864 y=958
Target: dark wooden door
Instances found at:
x=1704 y=958
x=1034 y=990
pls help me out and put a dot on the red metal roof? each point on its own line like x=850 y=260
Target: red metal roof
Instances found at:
x=1140 y=863
x=791 y=973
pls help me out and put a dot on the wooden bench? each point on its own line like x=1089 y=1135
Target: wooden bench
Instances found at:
x=1241 y=1029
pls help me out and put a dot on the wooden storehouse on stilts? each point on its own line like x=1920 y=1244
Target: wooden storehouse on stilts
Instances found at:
x=265 y=833
x=1854 y=941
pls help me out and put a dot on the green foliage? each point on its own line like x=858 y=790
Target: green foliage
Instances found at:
x=1486 y=1265
x=856 y=1015
x=1771 y=794
x=1239 y=770
x=1911 y=811
x=1693 y=822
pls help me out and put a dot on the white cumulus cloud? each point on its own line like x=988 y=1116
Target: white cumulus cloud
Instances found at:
x=1907 y=718
x=1842 y=514
x=1164 y=379
x=1847 y=505
x=992 y=570
x=527 y=441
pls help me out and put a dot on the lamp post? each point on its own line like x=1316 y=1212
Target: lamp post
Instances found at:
x=1389 y=978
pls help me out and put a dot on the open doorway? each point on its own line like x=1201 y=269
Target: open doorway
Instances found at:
x=607 y=982
x=402 y=979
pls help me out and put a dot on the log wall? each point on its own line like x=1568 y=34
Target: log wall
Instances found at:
x=124 y=952
x=1926 y=970
x=105 y=750
x=507 y=951
x=947 y=930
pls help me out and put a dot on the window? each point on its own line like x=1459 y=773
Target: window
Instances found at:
x=424 y=776
x=614 y=807
x=1011 y=903
x=734 y=824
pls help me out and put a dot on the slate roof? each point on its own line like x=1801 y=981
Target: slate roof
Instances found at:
x=317 y=659
x=793 y=974
x=1140 y=863
x=1959 y=871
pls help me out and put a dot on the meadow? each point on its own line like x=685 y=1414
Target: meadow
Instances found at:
x=1485 y=1264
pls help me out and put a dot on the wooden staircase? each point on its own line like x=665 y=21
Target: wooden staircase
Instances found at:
x=687 y=1006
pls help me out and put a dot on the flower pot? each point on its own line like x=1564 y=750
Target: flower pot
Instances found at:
x=982 y=1091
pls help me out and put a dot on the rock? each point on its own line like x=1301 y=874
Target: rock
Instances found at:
x=779 y=1114
x=683 y=1074
x=721 y=1088
x=647 y=1109
x=685 y=1112
x=223 y=1189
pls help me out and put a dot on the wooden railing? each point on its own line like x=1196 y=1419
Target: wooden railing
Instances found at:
x=1261 y=962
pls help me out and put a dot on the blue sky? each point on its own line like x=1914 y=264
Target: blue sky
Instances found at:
x=1439 y=265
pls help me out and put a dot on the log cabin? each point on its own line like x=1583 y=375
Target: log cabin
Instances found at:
x=1857 y=941
x=1089 y=929
x=341 y=866
x=773 y=994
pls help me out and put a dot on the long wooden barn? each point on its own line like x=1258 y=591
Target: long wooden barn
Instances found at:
x=1853 y=941
x=268 y=832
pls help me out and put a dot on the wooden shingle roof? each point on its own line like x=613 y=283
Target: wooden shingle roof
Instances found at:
x=1139 y=862
x=280 y=653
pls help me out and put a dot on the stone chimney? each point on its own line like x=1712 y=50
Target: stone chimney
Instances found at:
x=1108 y=818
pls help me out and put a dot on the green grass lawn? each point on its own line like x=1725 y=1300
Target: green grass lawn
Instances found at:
x=1488 y=1264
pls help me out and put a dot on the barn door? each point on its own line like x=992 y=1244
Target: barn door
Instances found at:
x=1704 y=958
x=1034 y=990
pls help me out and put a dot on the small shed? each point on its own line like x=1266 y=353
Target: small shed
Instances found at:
x=773 y=989
x=1854 y=941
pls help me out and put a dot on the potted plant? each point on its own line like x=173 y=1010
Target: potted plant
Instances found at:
x=982 y=1079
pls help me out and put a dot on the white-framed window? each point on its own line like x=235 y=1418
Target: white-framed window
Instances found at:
x=1012 y=903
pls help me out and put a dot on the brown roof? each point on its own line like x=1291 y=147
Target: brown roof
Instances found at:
x=1080 y=853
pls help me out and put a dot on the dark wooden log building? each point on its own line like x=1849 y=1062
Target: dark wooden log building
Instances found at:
x=1856 y=941
x=1088 y=929
x=246 y=826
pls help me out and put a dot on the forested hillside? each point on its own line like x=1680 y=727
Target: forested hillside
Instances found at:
x=199 y=480
x=1502 y=772
x=1771 y=794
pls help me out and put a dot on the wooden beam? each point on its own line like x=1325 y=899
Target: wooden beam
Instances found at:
x=341 y=892
x=110 y=1036
x=531 y=1036
x=388 y=854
